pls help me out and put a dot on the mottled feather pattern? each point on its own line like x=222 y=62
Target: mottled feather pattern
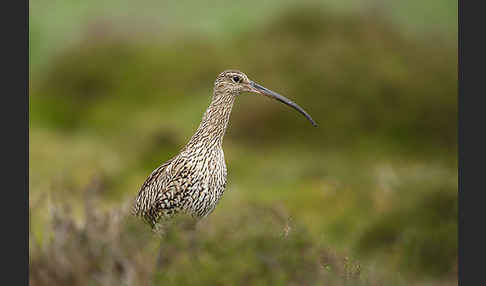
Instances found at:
x=193 y=181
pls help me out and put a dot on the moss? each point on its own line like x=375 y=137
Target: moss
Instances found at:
x=423 y=234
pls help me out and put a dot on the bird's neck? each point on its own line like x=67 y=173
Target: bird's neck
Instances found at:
x=213 y=125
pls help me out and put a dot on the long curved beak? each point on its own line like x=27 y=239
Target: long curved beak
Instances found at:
x=255 y=87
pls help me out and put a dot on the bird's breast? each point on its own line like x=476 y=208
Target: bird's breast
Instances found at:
x=207 y=181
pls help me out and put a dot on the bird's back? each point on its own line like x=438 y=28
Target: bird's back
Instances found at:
x=145 y=203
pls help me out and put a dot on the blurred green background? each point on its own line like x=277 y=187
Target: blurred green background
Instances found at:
x=367 y=198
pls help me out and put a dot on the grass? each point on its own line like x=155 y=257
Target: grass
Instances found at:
x=111 y=248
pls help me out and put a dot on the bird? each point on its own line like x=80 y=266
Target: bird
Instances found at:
x=193 y=181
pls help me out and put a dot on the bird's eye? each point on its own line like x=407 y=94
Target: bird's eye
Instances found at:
x=236 y=79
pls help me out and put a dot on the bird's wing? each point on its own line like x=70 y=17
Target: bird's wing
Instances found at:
x=150 y=189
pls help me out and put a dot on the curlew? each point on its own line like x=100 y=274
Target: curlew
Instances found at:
x=193 y=181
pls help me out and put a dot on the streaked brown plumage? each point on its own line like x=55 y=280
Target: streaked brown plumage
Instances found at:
x=194 y=180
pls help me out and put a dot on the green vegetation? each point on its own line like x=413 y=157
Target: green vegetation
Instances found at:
x=367 y=198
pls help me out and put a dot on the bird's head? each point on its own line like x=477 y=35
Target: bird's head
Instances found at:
x=233 y=82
